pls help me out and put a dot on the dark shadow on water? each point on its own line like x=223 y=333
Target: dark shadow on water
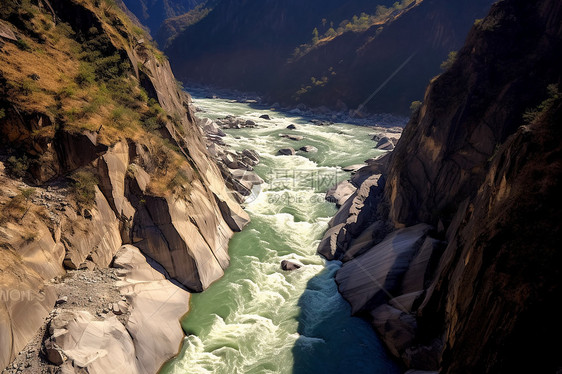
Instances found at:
x=331 y=341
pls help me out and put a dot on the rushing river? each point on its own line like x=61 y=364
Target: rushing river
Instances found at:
x=258 y=318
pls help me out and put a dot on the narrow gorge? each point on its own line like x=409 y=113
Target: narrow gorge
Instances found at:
x=148 y=227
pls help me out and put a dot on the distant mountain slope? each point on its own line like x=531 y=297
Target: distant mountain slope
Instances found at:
x=153 y=12
x=171 y=27
x=240 y=43
x=248 y=45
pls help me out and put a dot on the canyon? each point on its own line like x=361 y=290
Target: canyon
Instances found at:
x=144 y=230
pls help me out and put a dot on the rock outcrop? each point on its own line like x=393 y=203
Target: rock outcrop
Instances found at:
x=340 y=193
x=478 y=168
x=82 y=342
x=126 y=163
x=286 y=152
x=236 y=167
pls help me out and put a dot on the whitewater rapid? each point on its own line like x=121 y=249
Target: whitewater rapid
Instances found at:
x=258 y=318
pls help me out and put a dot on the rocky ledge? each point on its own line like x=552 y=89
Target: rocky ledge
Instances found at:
x=124 y=318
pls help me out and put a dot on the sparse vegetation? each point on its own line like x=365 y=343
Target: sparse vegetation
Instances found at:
x=180 y=183
x=357 y=24
x=18 y=206
x=86 y=83
x=23 y=45
x=553 y=95
x=415 y=106
x=84 y=187
x=451 y=58
x=17 y=166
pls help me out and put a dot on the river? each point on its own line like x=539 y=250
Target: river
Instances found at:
x=258 y=318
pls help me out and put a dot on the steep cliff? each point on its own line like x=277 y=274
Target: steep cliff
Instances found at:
x=99 y=147
x=481 y=163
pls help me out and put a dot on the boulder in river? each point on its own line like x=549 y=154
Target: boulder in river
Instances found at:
x=289 y=265
x=353 y=168
x=385 y=144
x=308 y=149
x=340 y=193
x=286 y=152
x=265 y=116
x=292 y=127
x=292 y=137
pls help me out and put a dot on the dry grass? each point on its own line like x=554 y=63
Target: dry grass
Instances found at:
x=115 y=106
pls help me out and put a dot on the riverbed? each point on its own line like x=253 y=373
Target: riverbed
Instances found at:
x=259 y=318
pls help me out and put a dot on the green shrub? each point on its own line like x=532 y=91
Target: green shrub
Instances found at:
x=27 y=193
x=451 y=58
x=415 y=106
x=67 y=91
x=553 y=95
x=180 y=184
x=142 y=96
x=17 y=166
x=28 y=86
x=86 y=75
x=84 y=187
x=22 y=44
x=151 y=124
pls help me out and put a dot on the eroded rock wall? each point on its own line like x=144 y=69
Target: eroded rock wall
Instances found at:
x=480 y=163
x=48 y=229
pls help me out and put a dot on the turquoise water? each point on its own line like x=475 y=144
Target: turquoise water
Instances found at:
x=258 y=318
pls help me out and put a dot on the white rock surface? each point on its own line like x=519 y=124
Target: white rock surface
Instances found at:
x=99 y=347
x=153 y=332
x=156 y=308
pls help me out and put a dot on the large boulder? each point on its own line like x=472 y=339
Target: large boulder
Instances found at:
x=286 y=152
x=351 y=219
x=209 y=127
x=340 y=193
x=289 y=265
x=368 y=280
x=396 y=328
x=152 y=333
x=93 y=345
x=156 y=308
x=385 y=144
x=308 y=149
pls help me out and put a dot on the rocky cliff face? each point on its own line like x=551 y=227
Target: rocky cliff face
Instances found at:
x=480 y=163
x=99 y=147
